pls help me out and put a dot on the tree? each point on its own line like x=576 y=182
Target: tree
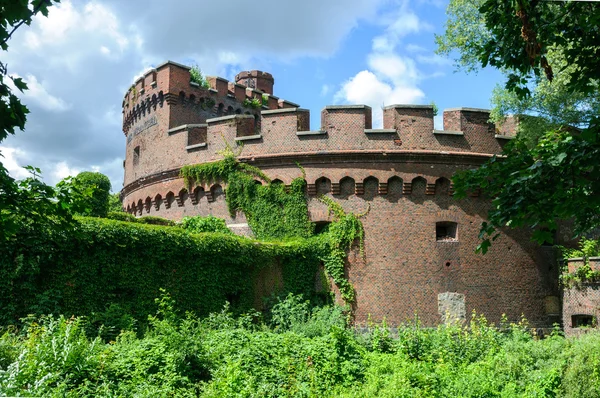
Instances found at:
x=28 y=203
x=114 y=202
x=97 y=186
x=549 y=52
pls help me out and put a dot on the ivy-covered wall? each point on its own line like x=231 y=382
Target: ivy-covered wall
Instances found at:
x=103 y=262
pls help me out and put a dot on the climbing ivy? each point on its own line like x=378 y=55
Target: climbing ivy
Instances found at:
x=345 y=230
x=277 y=213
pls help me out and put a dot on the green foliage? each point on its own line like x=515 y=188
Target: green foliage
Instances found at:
x=276 y=213
x=587 y=248
x=121 y=216
x=97 y=203
x=83 y=270
x=199 y=224
x=265 y=100
x=569 y=164
x=226 y=356
x=114 y=202
x=294 y=314
x=254 y=103
x=548 y=52
x=154 y=220
x=196 y=76
x=343 y=233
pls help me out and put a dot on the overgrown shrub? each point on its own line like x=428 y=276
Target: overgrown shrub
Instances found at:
x=102 y=262
x=98 y=203
x=199 y=224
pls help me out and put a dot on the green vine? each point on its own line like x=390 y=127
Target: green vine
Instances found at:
x=275 y=213
x=345 y=230
x=586 y=248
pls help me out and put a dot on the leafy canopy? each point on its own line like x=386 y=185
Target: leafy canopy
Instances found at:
x=549 y=53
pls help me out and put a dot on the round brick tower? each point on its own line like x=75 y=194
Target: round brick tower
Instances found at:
x=419 y=240
x=256 y=79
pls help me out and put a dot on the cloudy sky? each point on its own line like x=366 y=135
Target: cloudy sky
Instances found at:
x=80 y=60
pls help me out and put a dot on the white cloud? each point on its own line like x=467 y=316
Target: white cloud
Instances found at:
x=62 y=170
x=36 y=92
x=11 y=160
x=392 y=78
x=80 y=60
x=325 y=89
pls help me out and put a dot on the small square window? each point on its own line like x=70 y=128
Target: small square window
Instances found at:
x=582 y=321
x=446 y=231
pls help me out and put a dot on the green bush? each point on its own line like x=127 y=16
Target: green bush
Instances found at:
x=224 y=355
x=154 y=220
x=198 y=224
x=102 y=262
x=121 y=216
x=98 y=203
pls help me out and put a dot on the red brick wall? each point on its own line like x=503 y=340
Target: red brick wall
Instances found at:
x=402 y=175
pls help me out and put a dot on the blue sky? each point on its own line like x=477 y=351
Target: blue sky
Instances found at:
x=80 y=60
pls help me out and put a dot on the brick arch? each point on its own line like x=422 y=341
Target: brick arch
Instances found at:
x=216 y=191
x=147 y=204
x=192 y=100
x=197 y=194
x=442 y=186
x=323 y=186
x=182 y=197
x=394 y=188
x=169 y=199
x=182 y=98
x=347 y=187
x=370 y=187
x=140 y=206
x=158 y=201
x=418 y=186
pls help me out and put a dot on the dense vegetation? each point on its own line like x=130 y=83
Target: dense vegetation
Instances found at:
x=293 y=352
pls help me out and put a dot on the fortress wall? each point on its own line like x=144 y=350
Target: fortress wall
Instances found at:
x=401 y=173
x=406 y=268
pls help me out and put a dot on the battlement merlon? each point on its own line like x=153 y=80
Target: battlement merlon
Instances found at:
x=171 y=82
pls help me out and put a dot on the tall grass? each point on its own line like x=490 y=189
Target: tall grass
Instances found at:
x=294 y=351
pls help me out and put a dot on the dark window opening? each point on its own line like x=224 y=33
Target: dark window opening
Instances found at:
x=136 y=155
x=446 y=231
x=321 y=227
x=582 y=321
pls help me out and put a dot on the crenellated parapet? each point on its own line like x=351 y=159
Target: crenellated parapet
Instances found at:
x=170 y=84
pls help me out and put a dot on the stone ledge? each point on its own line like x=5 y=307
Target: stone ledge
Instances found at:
x=312 y=132
x=504 y=137
x=196 y=146
x=408 y=106
x=173 y=63
x=228 y=117
x=448 y=132
x=194 y=84
x=282 y=110
x=467 y=110
x=343 y=107
x=380 y=131
x=249 y=137
x=184 y=127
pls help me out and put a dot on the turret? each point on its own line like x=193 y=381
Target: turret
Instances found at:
x=257 y=80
